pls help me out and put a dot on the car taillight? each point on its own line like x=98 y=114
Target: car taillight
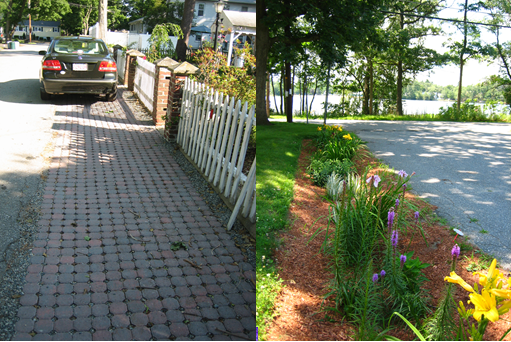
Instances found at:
x=52 y=64
x=107 y=66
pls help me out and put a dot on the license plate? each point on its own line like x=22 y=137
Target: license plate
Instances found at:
x=79 y=66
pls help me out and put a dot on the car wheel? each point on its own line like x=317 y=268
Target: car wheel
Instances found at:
x=44 y=95
x=111 y=97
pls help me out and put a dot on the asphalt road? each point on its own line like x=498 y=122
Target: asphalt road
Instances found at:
x=463 y=168
x=25 y=132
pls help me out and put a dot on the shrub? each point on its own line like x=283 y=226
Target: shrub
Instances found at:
x=230 y=80
x=320 y=170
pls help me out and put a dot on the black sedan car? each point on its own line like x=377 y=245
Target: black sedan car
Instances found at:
x=78 y=65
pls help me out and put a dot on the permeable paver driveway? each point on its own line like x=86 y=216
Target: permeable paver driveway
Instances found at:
x=127 y=250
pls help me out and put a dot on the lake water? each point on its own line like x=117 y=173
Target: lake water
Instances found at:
x=409 y=106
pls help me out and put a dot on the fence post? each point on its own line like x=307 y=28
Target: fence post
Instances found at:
x=130 y=68
x=179 y=73
x=161 y=89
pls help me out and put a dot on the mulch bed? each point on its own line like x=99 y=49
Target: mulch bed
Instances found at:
x=300 y=305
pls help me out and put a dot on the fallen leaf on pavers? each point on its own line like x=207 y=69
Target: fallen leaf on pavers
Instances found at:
x=86 y=238
x=178 y=245
x=16 y=296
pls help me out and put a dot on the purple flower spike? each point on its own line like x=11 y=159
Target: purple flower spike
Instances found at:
x=382 y=273
x=404 y=187
x=455 y=251
x=403 y=259
x=375 y=277
x=402 y=173
x=394 y=238
x=390 y=218
x=397 y=202
x=416 y=215
x=376 y=180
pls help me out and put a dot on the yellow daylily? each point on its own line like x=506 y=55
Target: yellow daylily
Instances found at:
x=485 y=304
x=319 y=128
x=456 y=279
x=503 y=293
x=491 y=279
x=347 y=137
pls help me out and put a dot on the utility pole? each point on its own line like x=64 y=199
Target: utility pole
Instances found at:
x=29 y=24
x=102 y=20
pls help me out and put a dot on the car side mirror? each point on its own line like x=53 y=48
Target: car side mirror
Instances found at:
x=42 y=52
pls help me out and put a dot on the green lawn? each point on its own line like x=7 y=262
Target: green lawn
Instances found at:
x=278 y=149
x=421 y=117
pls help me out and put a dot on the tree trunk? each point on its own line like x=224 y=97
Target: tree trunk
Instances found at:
x=268 y=95
x=327 y=90
x=263 y=48
x=462 y=53
x=399 y=89
x=371 y=86
x=288 y=92
x=365 y=105
x=186 y=27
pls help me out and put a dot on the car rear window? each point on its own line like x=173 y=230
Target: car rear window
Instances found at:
x=79 y=46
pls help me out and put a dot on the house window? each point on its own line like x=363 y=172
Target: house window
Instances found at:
x=200 y=12
x=56 y=29
x=244 y=8
x=198 y=37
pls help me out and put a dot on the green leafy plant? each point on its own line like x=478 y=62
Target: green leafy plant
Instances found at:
x=160 y=44
x=178 y=245
x=230 y=80
x=320 y=170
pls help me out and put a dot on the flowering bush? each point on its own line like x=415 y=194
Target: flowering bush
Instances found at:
x=230 y=80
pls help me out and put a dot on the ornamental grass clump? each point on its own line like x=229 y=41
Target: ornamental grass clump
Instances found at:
x=364 y=220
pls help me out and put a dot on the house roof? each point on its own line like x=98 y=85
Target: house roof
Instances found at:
x=246 y=19
x=136 y=20
x=41 y=23
x=250 y=2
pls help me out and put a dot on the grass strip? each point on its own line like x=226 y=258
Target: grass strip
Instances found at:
x=278 y=148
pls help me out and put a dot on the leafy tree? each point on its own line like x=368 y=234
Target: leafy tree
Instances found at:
x=406 y=31
x=14 y=11
x=334 y=26
x=160 y=44
x=470 y=47
x=500 y=12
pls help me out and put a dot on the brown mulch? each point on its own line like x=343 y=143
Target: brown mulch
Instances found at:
x=300 y=305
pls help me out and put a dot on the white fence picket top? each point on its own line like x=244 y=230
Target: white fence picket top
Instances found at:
x=144 y=82
x=121 y=62
x=214 y=132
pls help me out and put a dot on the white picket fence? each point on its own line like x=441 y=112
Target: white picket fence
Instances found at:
x=144 y=82
x=214 y=131
x=121 y=62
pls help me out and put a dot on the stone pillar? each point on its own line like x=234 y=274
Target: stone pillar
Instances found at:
x=131 y=66
x=179 y=73
x=161 y=89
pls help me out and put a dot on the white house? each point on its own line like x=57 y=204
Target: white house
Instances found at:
x=242 y=27
x=205 y=15
x=41 y=29
x=138 y=26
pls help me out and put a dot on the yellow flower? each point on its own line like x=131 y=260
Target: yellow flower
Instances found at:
x=492 y=278
x=339 y=128
x=503 y=293
x=456 y=279
x=485 y=304
x=347 y=137
x=319 y=128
